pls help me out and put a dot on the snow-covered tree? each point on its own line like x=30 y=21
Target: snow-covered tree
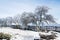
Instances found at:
x=41 y=12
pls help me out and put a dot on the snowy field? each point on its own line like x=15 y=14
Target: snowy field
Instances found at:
x=18 y=34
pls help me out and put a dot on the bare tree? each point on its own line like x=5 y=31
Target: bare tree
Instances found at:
x=42 y=15
x=25 y=19
x=16 y=21
x=8 y=20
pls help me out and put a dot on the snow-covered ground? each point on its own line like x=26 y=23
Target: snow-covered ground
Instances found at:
x=18 y=34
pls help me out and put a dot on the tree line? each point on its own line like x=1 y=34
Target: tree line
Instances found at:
x=39 y=17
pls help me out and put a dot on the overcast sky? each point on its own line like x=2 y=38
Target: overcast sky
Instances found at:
x=13 y=7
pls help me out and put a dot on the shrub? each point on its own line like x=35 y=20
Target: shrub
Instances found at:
x=5 y=36
x=52 y=36
x=43 y=36
x=17 y=27
x=1 y=35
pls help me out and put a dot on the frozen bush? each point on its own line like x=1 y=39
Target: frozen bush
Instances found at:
x=5 y=36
